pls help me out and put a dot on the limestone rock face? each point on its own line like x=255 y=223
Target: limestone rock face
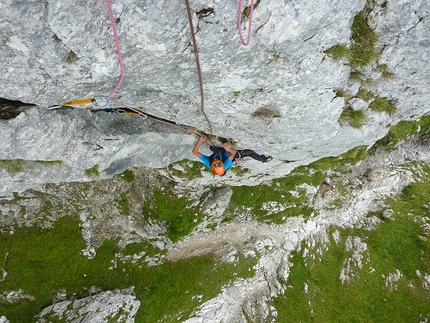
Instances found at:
x=66 y=143
x=120 y=306
x=55 y=51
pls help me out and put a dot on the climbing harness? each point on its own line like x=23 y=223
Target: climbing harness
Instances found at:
x=199 y=72
x=239 y=22
x=238 y=160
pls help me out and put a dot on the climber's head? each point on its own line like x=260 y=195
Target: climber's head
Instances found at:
x=217 y=167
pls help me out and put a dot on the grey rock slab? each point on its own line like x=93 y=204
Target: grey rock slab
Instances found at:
x=121 y=305
x=284 y=67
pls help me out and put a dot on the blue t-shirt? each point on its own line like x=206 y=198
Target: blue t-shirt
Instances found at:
x=224 y=158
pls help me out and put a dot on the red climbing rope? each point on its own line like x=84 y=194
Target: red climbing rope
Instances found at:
x=239 y=22
x=118 y=49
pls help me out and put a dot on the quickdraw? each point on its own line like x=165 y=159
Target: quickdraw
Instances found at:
x=104 y=101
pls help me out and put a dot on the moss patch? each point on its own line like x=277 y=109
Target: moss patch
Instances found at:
x=403 y=130
x=93 y=171
x=13 y=166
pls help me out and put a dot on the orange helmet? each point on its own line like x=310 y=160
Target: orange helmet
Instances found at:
x=217 y=167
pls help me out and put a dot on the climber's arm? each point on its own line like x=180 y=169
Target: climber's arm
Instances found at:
x=230 y=149
x=196 y=148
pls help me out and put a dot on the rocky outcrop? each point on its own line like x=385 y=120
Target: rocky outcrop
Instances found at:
x=361 y=193
x=56 y=51
x=278 y=96
x=65 y=145
x=117 y=306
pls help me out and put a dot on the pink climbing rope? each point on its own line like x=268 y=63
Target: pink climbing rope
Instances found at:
x=118 y=49
x=239 y=22
x=121 y=64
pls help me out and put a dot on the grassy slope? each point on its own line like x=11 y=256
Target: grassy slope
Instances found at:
x=44 y=262
x=395 y=245
x=399 y=244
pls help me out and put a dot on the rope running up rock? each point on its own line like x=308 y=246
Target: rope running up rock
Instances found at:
x=121 y=63
x=239 y=22
x=118 y=49
x=196 y=53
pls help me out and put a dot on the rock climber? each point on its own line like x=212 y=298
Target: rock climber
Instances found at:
x=223 y=158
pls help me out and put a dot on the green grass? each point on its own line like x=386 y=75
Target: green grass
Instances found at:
x=339 y=52
x=247 y=10
x=403 y=130
x=42 y=262
x=362 y=51
x=168 y=290
x=286 y=191
x=356 y=119
x=128 y=175
x=13 y=166
x=342 y=94
x=138 y=247
x=71 y=57
x=93 y=171
x=187 y=169
x=180 y=216
x=395 y=245
x=383 y=105
x=48 y=163
x=385 y=73
x=364 y=94
x=340 y=163
x=239 y=170
x=355 y=76
x=56 y=38
x=123 y=204
x=254 y=197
